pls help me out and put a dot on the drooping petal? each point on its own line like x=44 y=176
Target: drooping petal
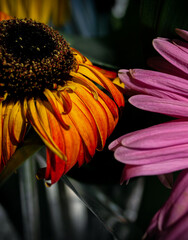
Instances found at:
x=17 y=123
x=37 y=115
x=86 y=131
x=172 y=53
x=169 y=107
x=53 y=101
x=14 y=127
x=98 y=113
x=66 y=142
x=81 y=79
x=100 y=79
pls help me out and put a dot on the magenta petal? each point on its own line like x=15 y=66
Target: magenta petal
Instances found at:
x=159 y=136
x=177 y=204
x=181 y=45
x=116 y=143
x=172 y=53
x=155 y=83
x=139 y=86
x=182 y=33
x=169 y=107
x=138 y=157
x=171 y=221
x=158 y=168
x=163 y=81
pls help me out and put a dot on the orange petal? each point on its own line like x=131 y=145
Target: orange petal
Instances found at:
x=68 y=141
x=98 y=113
x=99 y=78
x=83 y=125
x=80 y=58
x=67 y=103
x=78 y=78
x=106 y=73
x=53 y=101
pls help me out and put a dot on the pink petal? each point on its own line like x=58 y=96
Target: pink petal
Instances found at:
x=158 y=168
x=171 y=221
x=181 y=45
x=172 y=53
x=177 y=204
x=163 y=81
x=138 y=157
x=182 y=33
x=155 y=83
x=169 y=107
x=158 y=136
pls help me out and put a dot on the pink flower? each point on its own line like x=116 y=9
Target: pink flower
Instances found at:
x=162 y=148
x=171 y=221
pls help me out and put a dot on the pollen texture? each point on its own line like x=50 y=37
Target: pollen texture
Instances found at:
x=33 y=57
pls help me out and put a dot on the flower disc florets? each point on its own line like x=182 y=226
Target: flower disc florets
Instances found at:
x=33 y=57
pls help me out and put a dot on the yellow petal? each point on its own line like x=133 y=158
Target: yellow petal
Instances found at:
x=8 y=147
x=37 y=115
x=17 y=124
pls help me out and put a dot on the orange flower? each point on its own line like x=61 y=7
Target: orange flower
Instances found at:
x=45 y=83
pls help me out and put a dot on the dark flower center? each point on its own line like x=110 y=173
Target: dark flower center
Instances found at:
x=33 y=57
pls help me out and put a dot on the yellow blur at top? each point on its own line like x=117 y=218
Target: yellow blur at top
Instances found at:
x=57 y=11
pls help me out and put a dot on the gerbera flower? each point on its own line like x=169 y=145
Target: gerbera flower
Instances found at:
x=170 y=222
x=45 y=83
x=162 y=148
